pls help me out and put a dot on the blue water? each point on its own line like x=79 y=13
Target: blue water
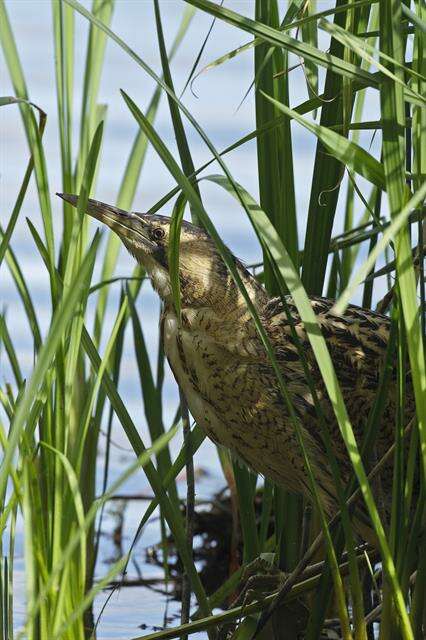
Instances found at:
x=219 y=93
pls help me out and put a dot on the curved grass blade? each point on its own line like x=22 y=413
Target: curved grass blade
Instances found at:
x=348 y=152
x=309 y=32
x=366 y=52
x=31 y=129
x=24 y=186
x=302 y=22
x=24 y=294
x=277 y=38
x=191 y=77
x=6 y=341
x=388 y=236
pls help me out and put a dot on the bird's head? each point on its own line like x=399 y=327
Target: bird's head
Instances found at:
x=204 y=278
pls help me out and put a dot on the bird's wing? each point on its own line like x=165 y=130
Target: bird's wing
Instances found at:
x=357 y=340
x=357 y=344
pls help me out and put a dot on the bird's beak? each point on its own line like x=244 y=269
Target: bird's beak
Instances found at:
x=126 y=225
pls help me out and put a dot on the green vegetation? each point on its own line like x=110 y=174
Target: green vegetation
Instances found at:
x=50 y=422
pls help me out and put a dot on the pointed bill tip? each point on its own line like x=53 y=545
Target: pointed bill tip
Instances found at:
x=68 y=197
x=100 y=210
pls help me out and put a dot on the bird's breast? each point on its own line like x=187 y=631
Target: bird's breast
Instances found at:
x=230 y=396
x=193 y=360
x=234 y=398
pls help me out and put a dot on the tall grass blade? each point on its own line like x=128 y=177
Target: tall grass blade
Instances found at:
x=60 y=323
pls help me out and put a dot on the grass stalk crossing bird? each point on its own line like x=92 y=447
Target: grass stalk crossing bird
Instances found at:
x=219 y=361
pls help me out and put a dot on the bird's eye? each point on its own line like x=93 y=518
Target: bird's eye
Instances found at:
x=157 y=233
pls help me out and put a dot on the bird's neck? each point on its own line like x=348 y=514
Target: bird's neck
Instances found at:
x=210 y=289
x=216 y=289
x=222 y=311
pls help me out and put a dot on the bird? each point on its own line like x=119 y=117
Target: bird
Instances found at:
x=222 y=368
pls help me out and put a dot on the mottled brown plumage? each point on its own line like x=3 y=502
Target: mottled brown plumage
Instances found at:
x=218 y=359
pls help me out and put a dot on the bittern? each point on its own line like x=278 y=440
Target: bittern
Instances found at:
x=221 y=365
